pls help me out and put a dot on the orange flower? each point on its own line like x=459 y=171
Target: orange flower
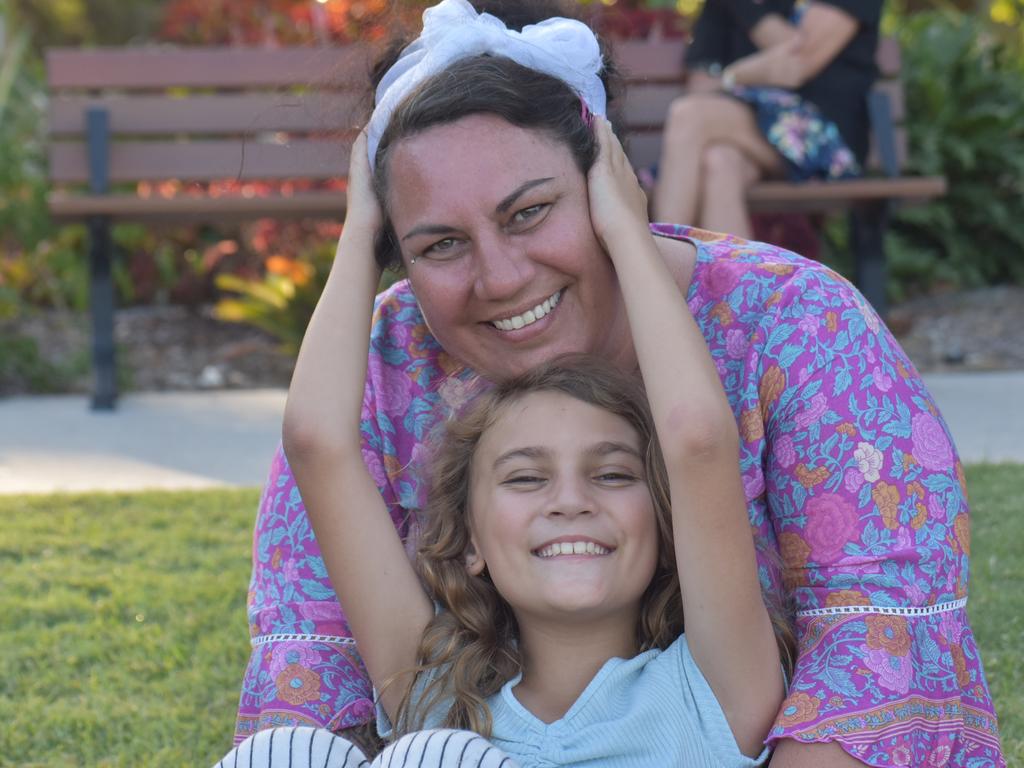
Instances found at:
x=811 y=477
x=419 y=334
x=795 y=552
x=921 y=517
x=773 y=299
x=391 y=466
x=846 y=597
x=275 y=559
x=962 y=478
x=962 y=531
x=847 y=428
x=298 y=685
x=908 y=461
x=722 y=312
x=889 y=633
x=704 y=235
x=914 y=488
x=448 y=364
x=832 y=321
x=887 y=497
x=777 y=269
x=963 y=676
x=751 y=426
x=798 y=708
x=772 y=384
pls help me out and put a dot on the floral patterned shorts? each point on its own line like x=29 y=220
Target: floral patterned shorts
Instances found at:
x=810 y=144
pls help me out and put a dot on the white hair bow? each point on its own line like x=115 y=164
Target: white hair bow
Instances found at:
x=453 y=30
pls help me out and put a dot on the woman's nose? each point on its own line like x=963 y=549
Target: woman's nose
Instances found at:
x=503 y=268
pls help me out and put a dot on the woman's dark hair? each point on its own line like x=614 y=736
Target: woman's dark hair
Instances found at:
x=487 y=85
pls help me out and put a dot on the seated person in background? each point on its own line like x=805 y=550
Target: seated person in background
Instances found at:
x=778 y=90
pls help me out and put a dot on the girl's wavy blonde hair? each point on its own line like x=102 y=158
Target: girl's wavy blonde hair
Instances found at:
x=472 y=642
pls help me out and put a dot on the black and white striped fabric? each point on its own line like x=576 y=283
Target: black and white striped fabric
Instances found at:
x=319 y=748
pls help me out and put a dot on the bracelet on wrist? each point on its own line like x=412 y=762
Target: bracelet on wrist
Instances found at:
x=728 y=79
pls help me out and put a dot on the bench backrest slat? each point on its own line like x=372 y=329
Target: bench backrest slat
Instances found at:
x=159 y=68
x=231 y=113
x=206 y=160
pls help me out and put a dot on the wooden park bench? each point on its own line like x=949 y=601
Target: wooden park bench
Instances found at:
x=150 y=134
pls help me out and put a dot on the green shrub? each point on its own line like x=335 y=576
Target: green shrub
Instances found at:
x=965 y=102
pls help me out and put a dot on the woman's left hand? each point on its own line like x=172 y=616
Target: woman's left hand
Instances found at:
x=618 y=205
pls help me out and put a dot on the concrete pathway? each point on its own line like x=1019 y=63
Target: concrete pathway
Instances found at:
x=227 y=438
x=152 y=440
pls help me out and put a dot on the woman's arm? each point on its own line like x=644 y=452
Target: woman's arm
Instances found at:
x=763 y=22
x=376 y=584
x=824 y=31
x=727 y=628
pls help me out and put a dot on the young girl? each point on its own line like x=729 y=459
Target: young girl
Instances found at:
x=549 y=618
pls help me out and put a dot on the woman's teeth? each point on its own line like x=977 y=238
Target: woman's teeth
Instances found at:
x=572 y=548
x=529 y=317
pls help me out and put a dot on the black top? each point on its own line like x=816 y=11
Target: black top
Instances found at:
x=721 y=36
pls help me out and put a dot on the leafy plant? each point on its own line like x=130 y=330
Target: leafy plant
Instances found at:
x=282 y=299
x=965 y=105
x=282 y=302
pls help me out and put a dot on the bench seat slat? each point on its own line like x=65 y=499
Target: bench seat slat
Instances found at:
x=206 y=160
x=128 y=207
x=209 y=113
x=811 y=196
x=869 y=188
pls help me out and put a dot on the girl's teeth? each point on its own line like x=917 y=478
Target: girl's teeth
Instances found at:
x=572 y=548
x=529 y=317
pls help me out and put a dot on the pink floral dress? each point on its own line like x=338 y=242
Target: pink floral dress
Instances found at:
x=850 y=475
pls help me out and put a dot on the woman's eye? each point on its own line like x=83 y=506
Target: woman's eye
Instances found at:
x=442 y=249
x=620 y=478
x=529 y=214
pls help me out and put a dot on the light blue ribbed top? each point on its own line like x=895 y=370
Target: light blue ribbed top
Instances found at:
x=655 y=710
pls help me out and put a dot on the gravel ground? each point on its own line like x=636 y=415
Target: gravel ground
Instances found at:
x=174 y=348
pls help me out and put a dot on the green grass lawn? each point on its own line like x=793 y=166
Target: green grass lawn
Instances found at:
x=123 y=633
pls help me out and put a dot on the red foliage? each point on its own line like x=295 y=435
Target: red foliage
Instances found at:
x=282 y=22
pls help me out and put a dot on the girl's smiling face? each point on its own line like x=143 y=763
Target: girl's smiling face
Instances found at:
x=493 y=222
x=560 y=512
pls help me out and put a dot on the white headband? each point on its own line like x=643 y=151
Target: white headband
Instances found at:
x=453 y=30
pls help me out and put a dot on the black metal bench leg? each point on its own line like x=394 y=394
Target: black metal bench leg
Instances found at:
x=101 y=302
x=867 y=237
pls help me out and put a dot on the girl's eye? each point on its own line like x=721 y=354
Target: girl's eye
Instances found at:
x=523 y=480
x=617 y=478
x=527 y=215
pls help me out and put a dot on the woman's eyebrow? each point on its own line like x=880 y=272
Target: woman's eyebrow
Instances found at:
x=508 y=201
x=428 y=229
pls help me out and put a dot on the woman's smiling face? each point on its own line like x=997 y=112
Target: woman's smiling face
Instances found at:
x=493 y=222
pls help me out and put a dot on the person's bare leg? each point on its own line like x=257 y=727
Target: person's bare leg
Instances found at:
x=676 y=193
x=726 y=173
x=695 y=122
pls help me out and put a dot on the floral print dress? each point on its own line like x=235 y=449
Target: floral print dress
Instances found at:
x=850 y=475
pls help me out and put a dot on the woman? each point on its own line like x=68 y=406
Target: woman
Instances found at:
x=777 y=90
x=850 y=477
